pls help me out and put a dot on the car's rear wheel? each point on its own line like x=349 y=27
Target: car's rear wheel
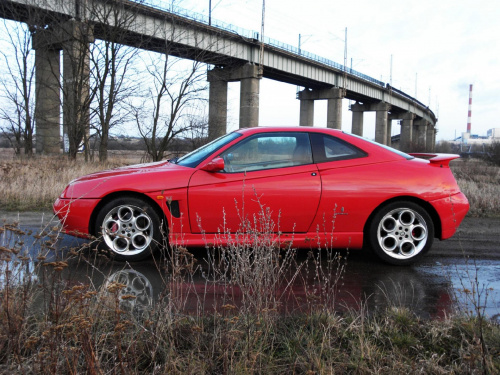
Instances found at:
x=401 y=233
x=129 y=228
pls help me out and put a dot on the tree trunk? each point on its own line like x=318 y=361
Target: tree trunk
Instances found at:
x=103 y=148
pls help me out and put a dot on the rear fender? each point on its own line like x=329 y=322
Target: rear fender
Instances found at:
x=431 y=210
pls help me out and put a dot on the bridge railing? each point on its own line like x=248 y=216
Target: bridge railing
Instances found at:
x=161 y=5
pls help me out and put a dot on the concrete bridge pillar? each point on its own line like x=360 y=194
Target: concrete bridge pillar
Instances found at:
x=73 y=39
x=382 y=109
x=306 y=112
x=420 y=137
x=334 y=110
x=47 y=95
x=406 y=131
x=249 y=78
x=414 y=136
x=389 y=132
x=430 y=138
x=48 y=101
x=249 y=96
x=217 y=104
x=358 y=111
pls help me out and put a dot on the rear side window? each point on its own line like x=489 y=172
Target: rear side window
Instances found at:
x=327 y=148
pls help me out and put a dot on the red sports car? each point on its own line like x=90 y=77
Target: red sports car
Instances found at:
x=309 y=180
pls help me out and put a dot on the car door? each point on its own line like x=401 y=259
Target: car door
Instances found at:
x=350 y=188
x=267 y=173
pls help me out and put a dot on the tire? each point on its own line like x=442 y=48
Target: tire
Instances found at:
x=401 y=233
x=129 y=228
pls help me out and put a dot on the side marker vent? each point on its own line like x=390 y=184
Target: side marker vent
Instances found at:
x=173 y=207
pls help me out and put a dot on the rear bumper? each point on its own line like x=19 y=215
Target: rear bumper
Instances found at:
x=451 y=211
x=74 y=215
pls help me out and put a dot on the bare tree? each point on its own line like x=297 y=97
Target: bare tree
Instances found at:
x=494 y=152
x=111 y=64
x=198 y=131
x=76 y=39
x=175 y=95
x=17 y=86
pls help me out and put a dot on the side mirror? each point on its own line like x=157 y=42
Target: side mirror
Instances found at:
x=216 y=165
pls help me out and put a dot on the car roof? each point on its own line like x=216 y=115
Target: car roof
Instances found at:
x=266 y=129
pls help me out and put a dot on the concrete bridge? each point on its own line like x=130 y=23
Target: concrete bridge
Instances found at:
x=237 y=55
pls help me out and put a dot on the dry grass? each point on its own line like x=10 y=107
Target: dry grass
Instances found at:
x=480 y=182
x=34 y=184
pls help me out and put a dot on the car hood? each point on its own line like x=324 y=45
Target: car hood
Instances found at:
x=141 y=178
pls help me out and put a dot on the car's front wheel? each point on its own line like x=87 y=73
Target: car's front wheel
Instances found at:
x=129 y=228
x=401 y=233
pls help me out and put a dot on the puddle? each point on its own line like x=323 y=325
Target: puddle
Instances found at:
x=428 y=289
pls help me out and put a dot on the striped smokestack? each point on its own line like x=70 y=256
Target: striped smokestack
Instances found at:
x=470 y=110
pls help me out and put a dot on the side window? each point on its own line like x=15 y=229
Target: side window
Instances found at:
x=268 y=151
x=329 y=148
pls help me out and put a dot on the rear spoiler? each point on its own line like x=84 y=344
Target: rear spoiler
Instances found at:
x=441 y=159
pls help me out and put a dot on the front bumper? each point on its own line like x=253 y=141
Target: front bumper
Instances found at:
x=74 y=215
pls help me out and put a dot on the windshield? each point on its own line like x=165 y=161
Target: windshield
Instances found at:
x=197 y=156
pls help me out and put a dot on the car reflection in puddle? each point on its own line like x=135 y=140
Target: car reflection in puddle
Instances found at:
x=136 y=295
x=363 y=285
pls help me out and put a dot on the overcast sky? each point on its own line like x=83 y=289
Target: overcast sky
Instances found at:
x=438 y=48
